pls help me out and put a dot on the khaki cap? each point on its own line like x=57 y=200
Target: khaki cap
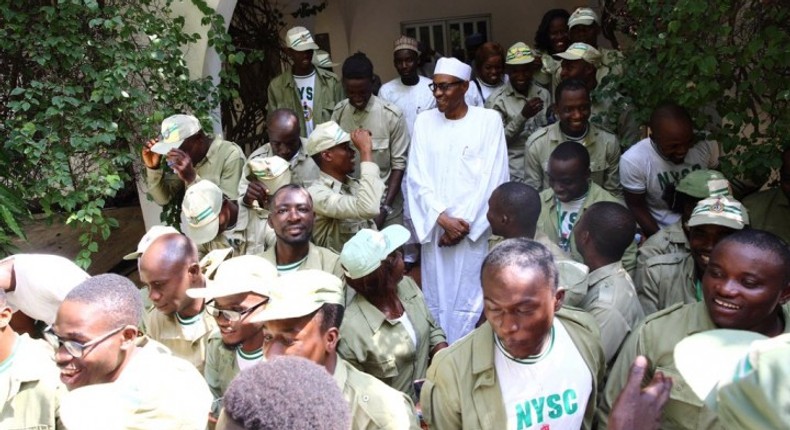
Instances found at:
x=201 y=206
x=363 y=253
x=274 y=172
x=300 y=39
x=325 y=136
x=583 y=16
x=175 y=129
x=301 y=293
x=151 y=235
x=519 y=53
x=704 y=183
x=582 y=51
x=721 y=210
x=321 y=58
x=243 y=274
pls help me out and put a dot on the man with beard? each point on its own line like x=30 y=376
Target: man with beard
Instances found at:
x=237 y=293
x=168 y=267
x=521 y=103
x=573 y=110
x=677 y=277
x=291 y=217
x=457 y=158
x=745 y=287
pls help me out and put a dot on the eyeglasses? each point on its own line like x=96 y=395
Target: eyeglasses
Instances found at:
x=444 y=86
x=76 y=349
x=232 y=316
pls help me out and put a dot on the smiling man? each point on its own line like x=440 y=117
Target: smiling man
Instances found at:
x=292 y=218
x=168 y=267
x=745 y=287
x=387 y=126
x=572 y=106
x=677 y=277
x=238 y=292
x=663 y=158
x=97 y=341
x=458 y=157
x=531 y=364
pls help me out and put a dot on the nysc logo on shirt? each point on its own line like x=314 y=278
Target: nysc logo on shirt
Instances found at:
x=553 y=406
x=666 y=178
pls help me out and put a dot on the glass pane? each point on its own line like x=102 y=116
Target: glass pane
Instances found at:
x=438 y=39
x=425 y=34
x=469 y=29
x=411 y=32
x=482 y=28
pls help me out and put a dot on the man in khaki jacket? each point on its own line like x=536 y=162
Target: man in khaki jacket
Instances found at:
x=343 y=205
x=29 y=386
x=303 y=318
x=168 y=267
x=478 y=382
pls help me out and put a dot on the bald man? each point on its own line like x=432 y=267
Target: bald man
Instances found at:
x=168 y=268
x=285 y=142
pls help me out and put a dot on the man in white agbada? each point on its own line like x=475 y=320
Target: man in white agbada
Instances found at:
x=457 y=158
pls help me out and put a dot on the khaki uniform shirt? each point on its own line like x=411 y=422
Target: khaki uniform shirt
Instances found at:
x=373 y=404
x=318 y=258
x=282 y=93
x=253 y=221
x=668 y=240
x=549 y=224
x=604 y=157
x=221 y=368
x=166 y=330
x=235 y=238
x=462 y=391
x=611 y=300
x=668 y=279
x=509 y=102
x=611 y=112
x=390 y=140
x=342 y=209
x=769 y=210
x=383 y=348
x=34 y=387
x=222 y=165
x=656 y=339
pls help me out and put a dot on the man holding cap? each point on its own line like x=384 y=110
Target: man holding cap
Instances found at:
x=387 y=329
x=193 y=156
x=168 y=268
x=584 y=27
x=363 y=110
x=312 y=91
x=696 y=186
x=745 y=287
x=235 y=296
x=677 y=278
x=303 y=318
x=212 y=220
x=521 y=103
x=457 y=158
x=292 y=219
x=409 y=91
x=343 y=204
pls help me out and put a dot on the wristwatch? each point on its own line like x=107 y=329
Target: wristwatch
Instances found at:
x=387 y=209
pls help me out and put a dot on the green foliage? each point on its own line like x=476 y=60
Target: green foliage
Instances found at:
x=85 y=83
x=727 y=61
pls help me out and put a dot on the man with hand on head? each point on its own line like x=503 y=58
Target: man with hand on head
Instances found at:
x=343 y=205
x=235 y=297
x=100 y=354
x=212 y=220
x=168 y=268
x=193 y=156
x=457 y=157
x=303 y=318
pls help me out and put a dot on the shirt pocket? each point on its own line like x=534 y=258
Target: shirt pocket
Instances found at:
x=382 y=367
x=381 y=152
x=683 y=408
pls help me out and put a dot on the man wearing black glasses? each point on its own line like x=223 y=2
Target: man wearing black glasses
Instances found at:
x=235 y=296
x=168 y=267
x=97 y=341
x=457 y=158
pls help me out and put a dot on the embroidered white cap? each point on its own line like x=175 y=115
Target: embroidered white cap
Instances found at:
x=453 y=67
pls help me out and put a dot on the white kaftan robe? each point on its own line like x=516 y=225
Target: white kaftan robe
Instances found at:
x=454 y=166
